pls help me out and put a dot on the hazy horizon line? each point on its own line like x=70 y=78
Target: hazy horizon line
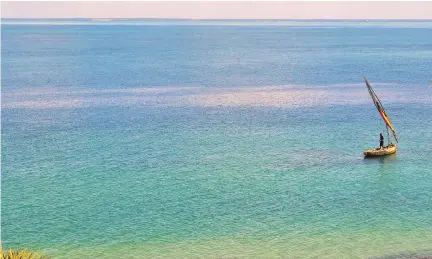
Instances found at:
x=221 y=19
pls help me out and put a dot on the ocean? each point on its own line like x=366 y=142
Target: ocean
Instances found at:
x=215 y=139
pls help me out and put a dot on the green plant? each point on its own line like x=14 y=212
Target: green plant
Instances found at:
x=20 y=254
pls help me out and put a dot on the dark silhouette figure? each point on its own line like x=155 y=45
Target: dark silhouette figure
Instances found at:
x=381 y=140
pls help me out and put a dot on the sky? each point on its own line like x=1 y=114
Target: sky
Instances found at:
x=218 y=10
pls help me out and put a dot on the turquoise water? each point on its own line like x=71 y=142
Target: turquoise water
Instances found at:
x=221 y=141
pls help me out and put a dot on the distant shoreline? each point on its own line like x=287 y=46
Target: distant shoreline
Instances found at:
x=289 y=23
x=221 y=22
x=215 y=20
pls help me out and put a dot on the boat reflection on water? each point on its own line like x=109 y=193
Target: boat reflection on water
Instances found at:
x=380 y=159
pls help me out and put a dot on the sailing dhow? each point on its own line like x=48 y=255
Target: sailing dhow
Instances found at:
x=390 y=148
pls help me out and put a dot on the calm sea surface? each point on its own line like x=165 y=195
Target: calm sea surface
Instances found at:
x=178 y=139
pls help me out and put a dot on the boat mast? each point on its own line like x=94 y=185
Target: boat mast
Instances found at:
x=388 y=136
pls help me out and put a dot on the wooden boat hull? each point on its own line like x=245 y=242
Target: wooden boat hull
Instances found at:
x=390 y=149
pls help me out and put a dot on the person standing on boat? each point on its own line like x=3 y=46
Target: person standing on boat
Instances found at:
x=381 y=140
